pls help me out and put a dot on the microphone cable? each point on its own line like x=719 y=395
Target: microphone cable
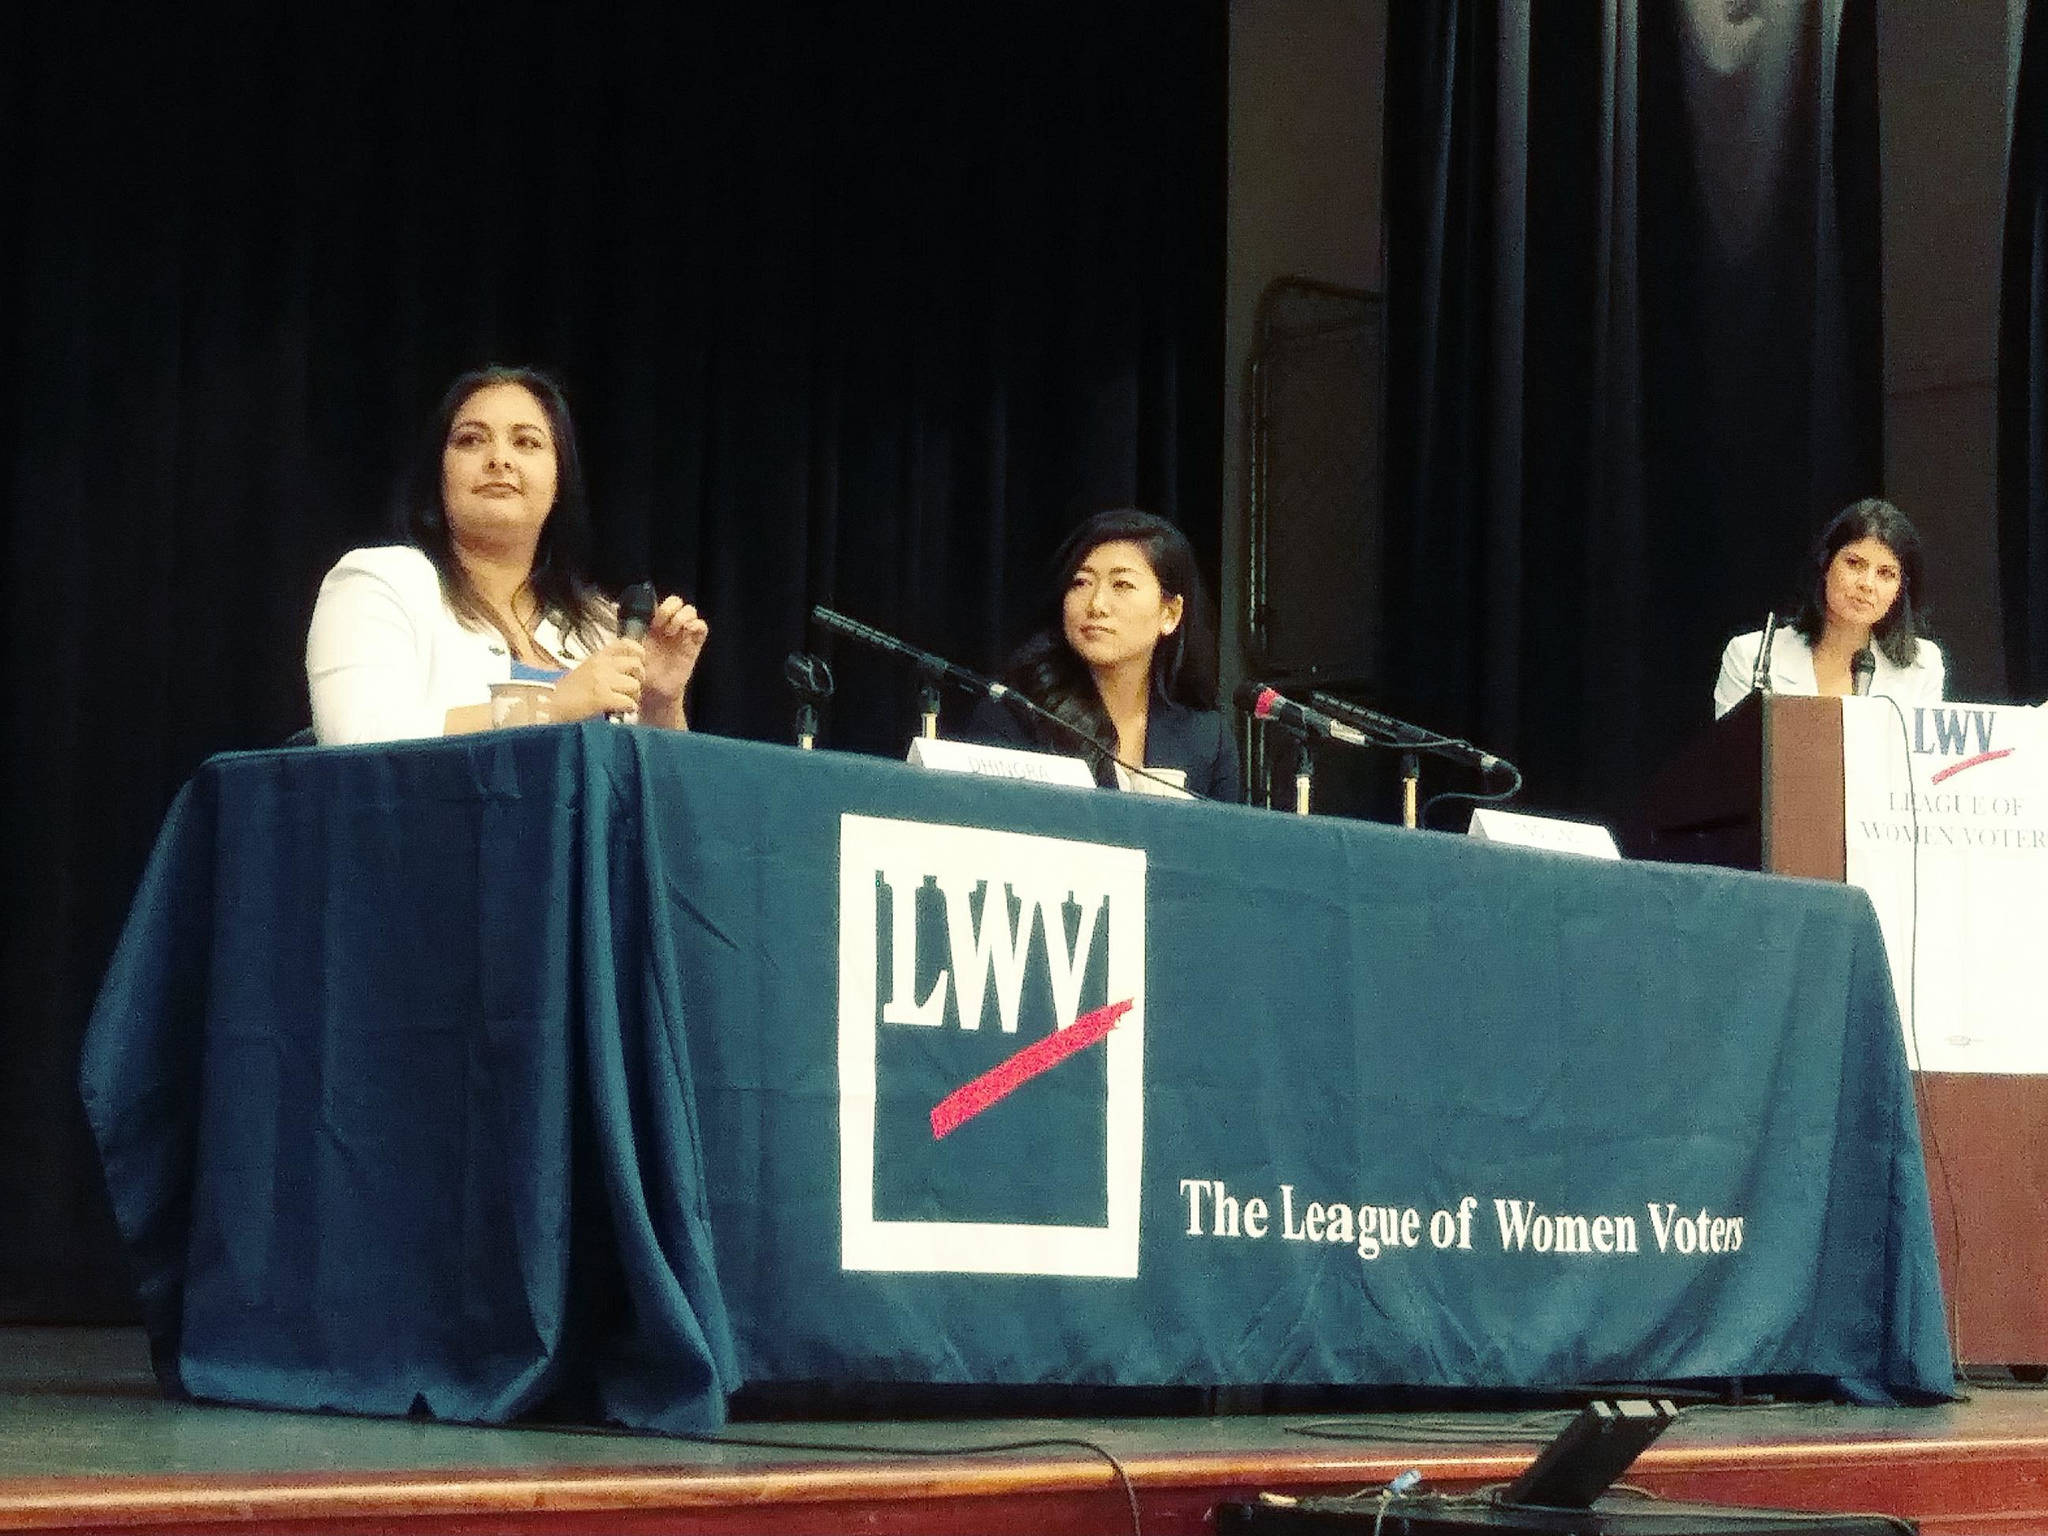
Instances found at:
x=1094 y=743
x=1477 y=797
x=992 y=1448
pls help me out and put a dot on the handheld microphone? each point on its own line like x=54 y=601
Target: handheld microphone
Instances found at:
x=636 y=610
x=1760 y=675
x=1264 y=703
x=1862 y=668
x=636 y=614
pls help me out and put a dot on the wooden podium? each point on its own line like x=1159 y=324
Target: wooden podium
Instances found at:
x=1762 y=789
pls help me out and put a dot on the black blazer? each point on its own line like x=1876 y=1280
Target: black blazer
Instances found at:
x=1196 y=741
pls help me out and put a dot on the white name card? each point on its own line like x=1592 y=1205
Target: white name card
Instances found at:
x=1554 y=833
x=1000 y=762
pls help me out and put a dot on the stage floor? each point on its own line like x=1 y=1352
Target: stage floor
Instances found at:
x=87 y=1442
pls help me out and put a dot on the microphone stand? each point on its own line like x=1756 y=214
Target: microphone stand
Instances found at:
x=811 y=681
x=1304 y=763
x=1412 y=741
x=928 y=678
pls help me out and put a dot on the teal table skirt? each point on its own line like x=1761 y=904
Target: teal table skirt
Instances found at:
x=602 y=1070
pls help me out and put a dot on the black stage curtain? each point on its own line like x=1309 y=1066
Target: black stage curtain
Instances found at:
x=2023 y=375
x=858 y=304
x=1634 y=357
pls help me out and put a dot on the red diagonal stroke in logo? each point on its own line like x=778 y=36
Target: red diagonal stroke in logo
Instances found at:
x=1970 y=762
x=1006 y=1077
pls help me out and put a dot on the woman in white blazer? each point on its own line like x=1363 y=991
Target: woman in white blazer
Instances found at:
x=407 y=639
x=1865 y=592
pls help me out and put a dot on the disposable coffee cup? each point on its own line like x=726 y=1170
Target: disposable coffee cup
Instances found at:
x=1171 y=783
x=521 y=702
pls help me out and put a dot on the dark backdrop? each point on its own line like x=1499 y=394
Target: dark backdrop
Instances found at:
x=857 y=303
x=2023 y=374
x=1634 y=353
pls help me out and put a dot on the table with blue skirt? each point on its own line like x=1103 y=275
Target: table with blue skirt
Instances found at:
x=598 y=1071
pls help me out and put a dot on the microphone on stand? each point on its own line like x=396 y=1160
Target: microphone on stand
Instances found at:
x=1862 y=668
x=1264 y=703
x=811 y=680
x=936 y=669
x=1760 y=674
x=1386 y=731
x=932 y=666
x=636 y=614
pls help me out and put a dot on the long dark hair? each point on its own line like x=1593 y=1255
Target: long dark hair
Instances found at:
x=558 y=582
x=1047 y=669
x=1898 y=633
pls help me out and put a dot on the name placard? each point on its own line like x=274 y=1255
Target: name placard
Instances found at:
x=1493 y=825
x=1000 y=762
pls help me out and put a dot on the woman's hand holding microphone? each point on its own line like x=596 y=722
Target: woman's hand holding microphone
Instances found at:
x=648 y=673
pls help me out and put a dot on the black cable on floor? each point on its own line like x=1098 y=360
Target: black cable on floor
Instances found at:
x=994 y=1448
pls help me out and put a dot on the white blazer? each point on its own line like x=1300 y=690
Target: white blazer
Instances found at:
x=1792 y=671
x=387 y=658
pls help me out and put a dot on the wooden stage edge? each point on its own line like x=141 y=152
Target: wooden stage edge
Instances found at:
x=1978 y=1466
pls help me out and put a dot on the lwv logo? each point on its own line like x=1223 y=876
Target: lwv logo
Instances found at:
x=1029 y=961
x=1951 y=732
x=1963 y=733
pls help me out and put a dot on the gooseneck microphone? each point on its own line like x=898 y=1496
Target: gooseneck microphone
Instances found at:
x=924 y=661
x=1355 y=725
x=1265 y=703
x=940 y=669
x=1862 y=668
x=636 y=615
x=1385 y=731
x=1760 y=675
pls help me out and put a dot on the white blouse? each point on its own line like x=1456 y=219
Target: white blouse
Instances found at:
x=387 y=658
x=1792 y=671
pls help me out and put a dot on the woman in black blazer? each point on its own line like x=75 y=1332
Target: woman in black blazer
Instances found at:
x=1126 y=658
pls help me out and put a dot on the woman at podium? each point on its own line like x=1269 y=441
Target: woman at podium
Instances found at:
x=1126 y=658
x=1859 y=626
x=488 y=588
